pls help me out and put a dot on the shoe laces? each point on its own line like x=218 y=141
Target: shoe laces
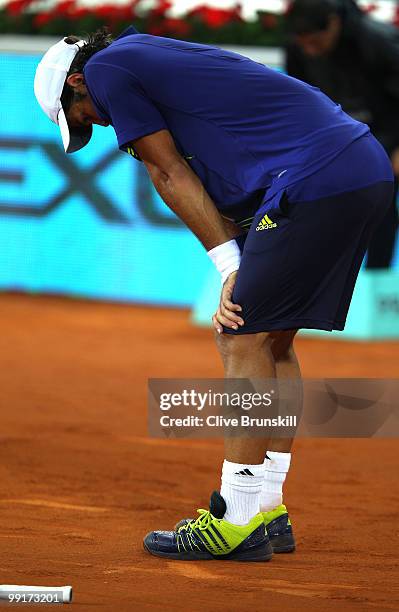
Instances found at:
x=202 y=522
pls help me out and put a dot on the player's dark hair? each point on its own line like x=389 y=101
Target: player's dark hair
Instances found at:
x=93 y=43
x=308 y=16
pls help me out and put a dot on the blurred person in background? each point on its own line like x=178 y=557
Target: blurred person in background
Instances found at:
x=353 y=59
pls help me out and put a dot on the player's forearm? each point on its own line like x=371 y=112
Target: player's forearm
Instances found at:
x=184 y=193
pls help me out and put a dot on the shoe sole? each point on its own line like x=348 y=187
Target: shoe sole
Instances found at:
x=262 y=553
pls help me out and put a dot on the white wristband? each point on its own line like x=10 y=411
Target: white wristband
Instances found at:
x=226 y=257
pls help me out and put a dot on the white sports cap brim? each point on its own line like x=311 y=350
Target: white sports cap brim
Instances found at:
x=73 y=139
x=50 y=77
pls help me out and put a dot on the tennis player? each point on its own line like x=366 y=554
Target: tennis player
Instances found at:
x=282 y=188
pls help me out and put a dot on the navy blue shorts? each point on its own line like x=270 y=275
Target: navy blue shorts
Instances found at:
x=301 y=257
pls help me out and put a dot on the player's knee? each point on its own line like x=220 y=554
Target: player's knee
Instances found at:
x=241 y=345
x=282 y=344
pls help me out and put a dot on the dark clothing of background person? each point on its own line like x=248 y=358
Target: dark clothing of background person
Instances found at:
x=362 y=74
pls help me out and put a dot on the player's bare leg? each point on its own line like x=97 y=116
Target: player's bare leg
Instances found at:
x=287 y=367
x=251 y=482
x=278 y=457
x=247 y=356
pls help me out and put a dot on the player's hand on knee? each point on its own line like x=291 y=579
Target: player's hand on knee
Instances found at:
x=226 y=313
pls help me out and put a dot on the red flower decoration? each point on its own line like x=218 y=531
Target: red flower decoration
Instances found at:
x=42 y=19
x=16 y=7
x=174 y=27
x=106 y=11
x=79 y=12
x=66 y=7
x=161 y=8
x=217 y=18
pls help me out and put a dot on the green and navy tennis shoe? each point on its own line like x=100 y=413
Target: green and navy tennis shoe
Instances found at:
x=211 y=537
x=278 y=528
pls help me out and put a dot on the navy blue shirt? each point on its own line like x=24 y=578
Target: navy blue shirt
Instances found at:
x=246 y=130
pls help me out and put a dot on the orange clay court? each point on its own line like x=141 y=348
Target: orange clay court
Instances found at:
x=81 y=483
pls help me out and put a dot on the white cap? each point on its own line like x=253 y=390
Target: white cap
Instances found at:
x=50 y=77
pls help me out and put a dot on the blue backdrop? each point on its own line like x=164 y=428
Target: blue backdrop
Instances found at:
x=87 y=224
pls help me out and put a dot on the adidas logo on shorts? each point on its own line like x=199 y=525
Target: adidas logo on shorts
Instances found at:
x=266 y=223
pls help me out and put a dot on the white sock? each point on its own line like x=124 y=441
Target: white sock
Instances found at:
x=276 y=469
x=241 y=488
